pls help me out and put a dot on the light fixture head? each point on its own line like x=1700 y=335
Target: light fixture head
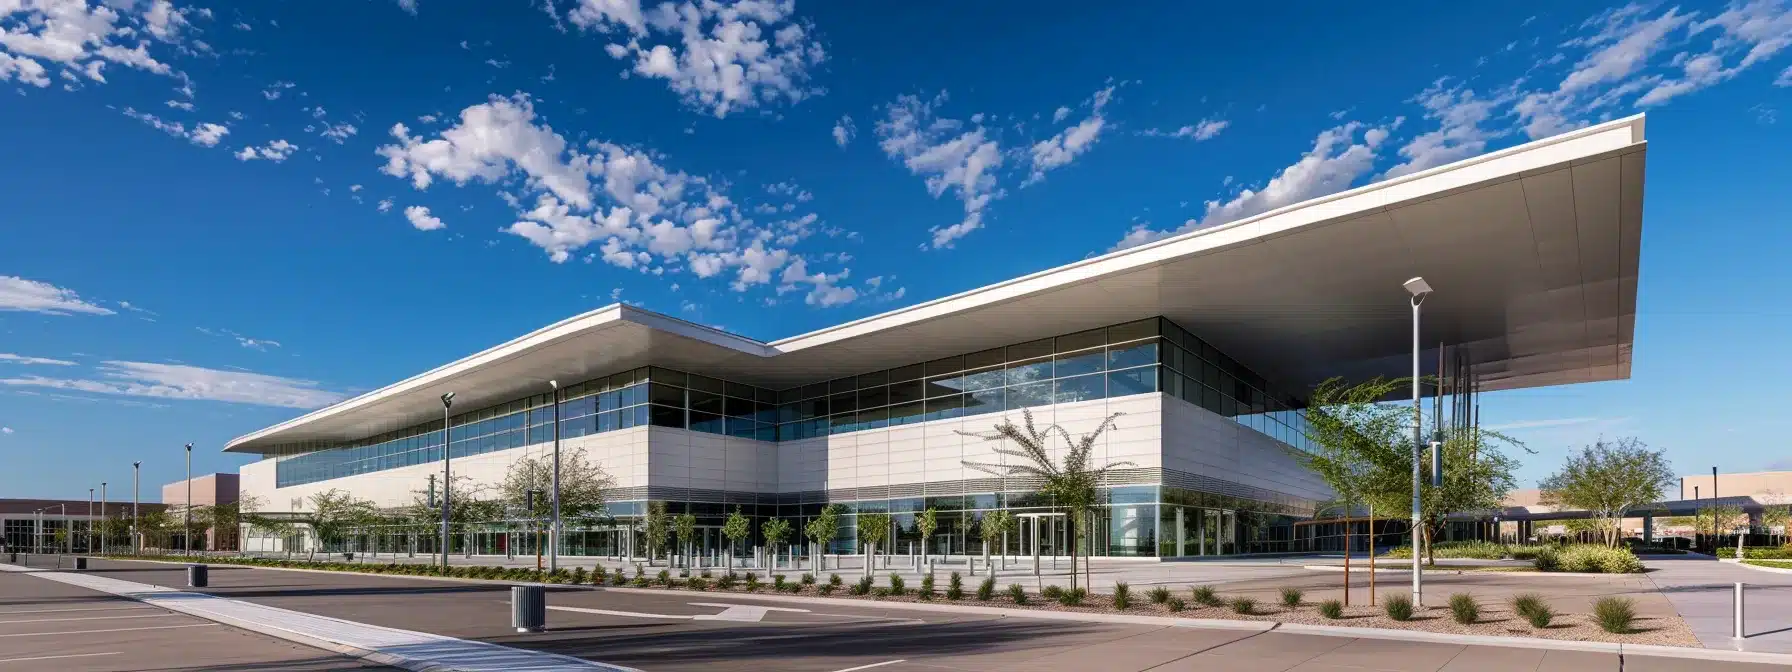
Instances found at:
x=447 y=400
x=189 y=447
x=554 y=384
x=135 y=465
x=1418 y=287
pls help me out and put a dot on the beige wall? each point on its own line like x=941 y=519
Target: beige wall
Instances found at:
x=1764 y=486
x=208 y=490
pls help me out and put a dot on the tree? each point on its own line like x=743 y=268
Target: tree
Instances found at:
x=656 y=529
x=1371 y=444
x=1775 y=519
x=775 y=532
x=874 y=528
x=1071 y=486
x=824 y=527
x=1607 y=479
x=993 y=525
x=583 y=485
x=736 y=528
x=926 y=523
x=336 y=513
x=684 y=526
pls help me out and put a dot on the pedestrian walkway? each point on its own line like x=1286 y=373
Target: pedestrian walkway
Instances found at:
x=1701 y=588
x=392 y=646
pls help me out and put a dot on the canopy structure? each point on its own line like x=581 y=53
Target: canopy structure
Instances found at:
x=1532 y=251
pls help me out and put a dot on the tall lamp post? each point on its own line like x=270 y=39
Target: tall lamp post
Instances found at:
x=186 y=532
x=136 y=482
x=1419 y=290
x=554 y=533
x=102 y=515
x=89 y=543
x=447 y=473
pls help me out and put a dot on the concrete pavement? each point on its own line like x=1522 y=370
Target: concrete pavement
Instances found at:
x=1700 y=589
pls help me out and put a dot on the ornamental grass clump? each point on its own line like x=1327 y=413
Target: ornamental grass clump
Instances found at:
x=726 y=582
x=861 y=587
x=897 y=586
x=1073 y=597
x=1464 y=608
x=753 y=582
x=599 y=575
x=955 y=587
x=1159 y=595
x=987 y=589
x=664 y=578
x=1174 y=604
x=925 y=592
x=1331 y=609
x=835 y=580
x=1243 y=605
x=697 y=583
x=1122 y=595
x=1051 y=592
x=1205 y=596
x=1291 y=596
x=1017 y=593
x=1398 y=607
x=1615 y=614
x=1533 y=609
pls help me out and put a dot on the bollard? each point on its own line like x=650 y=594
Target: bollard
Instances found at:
x=196 y=576
x=80 y=564
x=1738 y=632
x=528 y=608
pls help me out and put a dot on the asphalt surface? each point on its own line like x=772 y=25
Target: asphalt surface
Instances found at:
x=714 y=632
x=46 y=625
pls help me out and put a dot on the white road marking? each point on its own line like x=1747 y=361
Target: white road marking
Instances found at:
x=89 y=632
x=71 y=655
x=608 y=612
x=726 y=605
x=867 y=667
x=58 y=611
x=82 y=618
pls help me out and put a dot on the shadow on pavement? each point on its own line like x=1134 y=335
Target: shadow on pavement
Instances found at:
x=327 y=663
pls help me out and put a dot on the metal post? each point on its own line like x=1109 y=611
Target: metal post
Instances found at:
x=186 y=532
x=89 y=543
x=1419 y=289
x=1737 y=631
x=103 y=500
x=554 y=534
x=136 y=487
x=447 y=475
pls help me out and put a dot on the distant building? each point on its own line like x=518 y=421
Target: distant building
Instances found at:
x=207 y=491
x=36 y=525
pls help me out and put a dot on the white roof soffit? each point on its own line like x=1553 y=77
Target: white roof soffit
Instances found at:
x=1533 y=252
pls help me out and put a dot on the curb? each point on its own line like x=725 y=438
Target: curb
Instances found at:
x=1440 y=570
x=1760 y=568
x=1724 y=655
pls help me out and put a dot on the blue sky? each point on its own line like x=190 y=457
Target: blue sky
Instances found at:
x=219 y=216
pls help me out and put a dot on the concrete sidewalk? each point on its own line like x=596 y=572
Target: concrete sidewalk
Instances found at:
x=1700 y=589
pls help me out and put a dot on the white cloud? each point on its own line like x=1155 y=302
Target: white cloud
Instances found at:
x=261 y=344
x=179 y=105
x=178 y=381
x=719 y=56
x=1207 y=129
x=275 y=90
x=204 y=134
x=948 y=155
x=23 y=69
x=1460 y=114
x=1758 y=30
x=84 y=37
x=845 y=130
x=385 y=205
x=9 y=358
x=339 y=132
x=1619 y=49
x=31 y=296
x=1336 y=161
x=209 y=134
x=1061 y=149
x=421 y=218
x=408 y=6
x=1060 y=115
x=275 y=151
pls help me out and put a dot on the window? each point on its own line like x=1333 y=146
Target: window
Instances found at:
x=1029 y=372
x=1035 y=394
x=906 y=413
x=1137 y=354
x=1087 y=361
x=1080 y=388
x=701 y=421
x=1132 y=381
x=666 y=416
x=706 y=402
x=941 y=408
x=905 y=392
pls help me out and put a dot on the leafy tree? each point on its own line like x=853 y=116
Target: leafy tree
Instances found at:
x=656 y=529
x=993 y=525
x=824 y=527
x=775 y=532
x=1071 y=486
x=336 y=513
x=1607 y=479
x=736 y=528
x=1721 y=519
x=1369 y=443
x=583 y=484
x=926 y=524
x=684 y=526
x=1776 y=519
x=874 y=530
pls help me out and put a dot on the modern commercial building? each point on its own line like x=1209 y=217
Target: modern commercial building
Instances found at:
x=1206 y=342
x=64 y=525
x=201 y=492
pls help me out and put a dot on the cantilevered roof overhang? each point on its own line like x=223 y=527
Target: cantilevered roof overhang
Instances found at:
x=1533 y=252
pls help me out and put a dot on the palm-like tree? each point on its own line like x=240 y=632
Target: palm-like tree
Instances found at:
x=1071 y=485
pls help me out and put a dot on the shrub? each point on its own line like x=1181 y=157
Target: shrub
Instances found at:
x=1547 y=560
x=1291 y=596
x=955 y=587
x=1051 y=592
x=880 y=591
x=1591 y=558
x=617 y=579
x=599 y=575
x=577 y=577
x=862 y=587
x=1122 y=595
x=1615 y=614
x=1398 y=606
x=1205 y=596
x=726 y=582
x=707 y=574
x=1243 y=605
x=665 y=578
x=1331 y=609
x=778 y=582
x=926 y=591
x=639 y=572
x=808 y=579
x=1533 y=609
x=897 y=586
x=1464 y=608
x=1174 y=604
x=987 y=589
x=826 y=588
x=642 y=582
x=1159 y=595
x=1529 y=552
x=698 y=583
x=835 y=580
x=1073 y=597
x=1017 y=593
x=684 y=572
x=752 y=583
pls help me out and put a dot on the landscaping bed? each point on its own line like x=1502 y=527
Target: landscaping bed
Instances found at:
x=1577 y=558
x=1465 y=615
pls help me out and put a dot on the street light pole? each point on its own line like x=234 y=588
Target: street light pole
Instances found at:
x=447 y=474
x=554 y=534
x=136 y=483
x=89 y=543
x=1419 y=290
x=102 y=515
x=186 y=532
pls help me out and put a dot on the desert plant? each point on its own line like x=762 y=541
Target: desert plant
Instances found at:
x=1174 y=604
x=664 y=578
x=617 y=579
x=1052 y=592
x=1291 y=596
x=1331 y=609
x=880 y=591
x=1533 y=608
x=1547 y=559
x=955 y=587
x=726 y=582
x=642 y=582
x=778 y=582
x=1017 y=593
x=897 y=585
x=578 y=576
x=1122 y=595
x=1073 y=597
x=808 y=579
x=987 y=589
x=753 y=582
x=862 y=587
x=697 y=583
x=1398 y=606
x=1243 y=605
x=826 y=588
x=707 y=574
x=1615 y=614
x=835 y=580
x=1464 y=608
x=1205 y=596
x=926 y=591
x=1159 y=595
